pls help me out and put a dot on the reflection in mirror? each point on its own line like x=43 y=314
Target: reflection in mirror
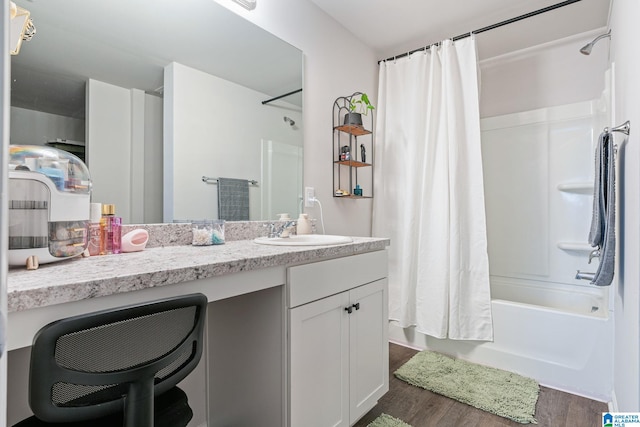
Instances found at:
x=155 y=97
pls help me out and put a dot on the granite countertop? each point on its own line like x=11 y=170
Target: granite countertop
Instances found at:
x=83 y=278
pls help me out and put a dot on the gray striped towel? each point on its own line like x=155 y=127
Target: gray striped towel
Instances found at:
x=233 y=199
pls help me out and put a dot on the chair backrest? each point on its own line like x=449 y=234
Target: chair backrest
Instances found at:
x=95 y=364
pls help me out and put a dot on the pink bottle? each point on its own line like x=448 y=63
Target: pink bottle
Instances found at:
x=110 y=231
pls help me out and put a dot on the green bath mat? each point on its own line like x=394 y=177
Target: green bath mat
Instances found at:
x=493 y=390
x=385 y=420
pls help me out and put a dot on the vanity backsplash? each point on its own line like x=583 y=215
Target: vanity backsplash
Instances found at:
x=179 y=234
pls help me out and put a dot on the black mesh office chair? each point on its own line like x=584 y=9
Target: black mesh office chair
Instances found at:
x=104 y=368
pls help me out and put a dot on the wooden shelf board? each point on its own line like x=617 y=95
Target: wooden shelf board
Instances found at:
x=351 y=196
x=353 y=130
x=352 y=163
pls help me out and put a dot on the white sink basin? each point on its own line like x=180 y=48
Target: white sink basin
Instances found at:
x=304 y=240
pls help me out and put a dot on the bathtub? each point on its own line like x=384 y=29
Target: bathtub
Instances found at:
x=559 y=335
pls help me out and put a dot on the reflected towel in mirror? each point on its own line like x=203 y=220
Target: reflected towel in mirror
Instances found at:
x=233 y=199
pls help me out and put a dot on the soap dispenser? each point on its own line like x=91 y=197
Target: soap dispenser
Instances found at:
x=303 y=224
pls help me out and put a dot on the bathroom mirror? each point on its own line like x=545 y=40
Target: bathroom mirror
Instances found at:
x=97 y=63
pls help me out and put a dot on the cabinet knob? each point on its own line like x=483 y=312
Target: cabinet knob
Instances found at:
x=349 y=309
x=356 y=306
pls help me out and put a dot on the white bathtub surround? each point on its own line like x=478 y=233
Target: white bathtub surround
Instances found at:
x=543 y=159
x=430 y=196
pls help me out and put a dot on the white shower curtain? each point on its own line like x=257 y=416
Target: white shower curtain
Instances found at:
x=429 y=192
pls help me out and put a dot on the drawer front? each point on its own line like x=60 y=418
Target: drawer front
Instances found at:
x=310 y=282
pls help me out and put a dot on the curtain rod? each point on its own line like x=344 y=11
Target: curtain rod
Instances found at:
x=494 y=26
x=281 y=96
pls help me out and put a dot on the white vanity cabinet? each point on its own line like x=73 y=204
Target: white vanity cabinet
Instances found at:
x=338 y=349
x=329 y=369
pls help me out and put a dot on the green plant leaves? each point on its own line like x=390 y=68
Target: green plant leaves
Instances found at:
x=361 y=105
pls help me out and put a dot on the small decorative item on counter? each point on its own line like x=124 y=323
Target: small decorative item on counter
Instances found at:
x=110 y=231
x=357 y=191
x=49 y=193
x=67 y=239
x=283 y=217
x=207 y=232
x=218 y=232
x=303 y=224
x=33 y=263
x=95 y=213
x=135 y=240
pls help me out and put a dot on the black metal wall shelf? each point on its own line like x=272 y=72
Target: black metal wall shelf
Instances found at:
x=357 y=140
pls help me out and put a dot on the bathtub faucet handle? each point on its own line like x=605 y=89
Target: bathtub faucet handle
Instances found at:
x=594 y=254
x=583 y=275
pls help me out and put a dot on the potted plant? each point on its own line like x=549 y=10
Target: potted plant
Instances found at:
x=359 y=104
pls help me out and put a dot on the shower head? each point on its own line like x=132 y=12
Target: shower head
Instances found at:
x=586 y=49
x=288 y=120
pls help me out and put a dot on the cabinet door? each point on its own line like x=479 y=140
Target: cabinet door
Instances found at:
x=319 y=363
x=369 y=348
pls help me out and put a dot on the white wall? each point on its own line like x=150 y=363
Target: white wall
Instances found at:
x=209 y=120
x=336 y=64
x=30 y=127
x=153 y=160
x=124 y=150
x=625 y=54
x=543 y=76
x=109 y=145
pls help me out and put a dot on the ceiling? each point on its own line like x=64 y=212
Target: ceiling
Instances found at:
x=398 y=26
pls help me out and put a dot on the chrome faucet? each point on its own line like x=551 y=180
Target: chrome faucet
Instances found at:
x=281 y=230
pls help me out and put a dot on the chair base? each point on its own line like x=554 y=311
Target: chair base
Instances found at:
x=171 y=409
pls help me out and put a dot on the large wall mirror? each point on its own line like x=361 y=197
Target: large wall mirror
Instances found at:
x=157 y=95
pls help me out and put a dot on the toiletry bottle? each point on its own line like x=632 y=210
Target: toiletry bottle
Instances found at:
x=95 y=213
x=303 y=224
x=357 y=191
x=110 y=233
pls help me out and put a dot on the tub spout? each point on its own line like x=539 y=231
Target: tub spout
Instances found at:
x=594 y=254
x=581 y=275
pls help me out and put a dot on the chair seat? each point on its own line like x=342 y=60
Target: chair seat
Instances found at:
x=171 y=409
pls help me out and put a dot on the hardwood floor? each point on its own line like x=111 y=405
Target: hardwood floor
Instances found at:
x=422 y=408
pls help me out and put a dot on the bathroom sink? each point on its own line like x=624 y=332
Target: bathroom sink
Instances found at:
x=304 y=240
